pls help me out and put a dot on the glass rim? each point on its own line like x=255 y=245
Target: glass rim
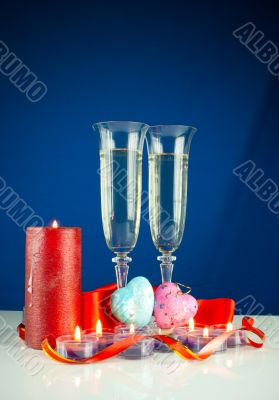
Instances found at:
x=92 y=332
x=181 y=128
x=70 y=339
x=173 y=125
x=137 y=123
x=124 y=329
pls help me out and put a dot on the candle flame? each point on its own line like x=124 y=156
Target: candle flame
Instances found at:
x=55 y=224
x=205 y=332
x=99 y=329
x=191 y=324
x=132 y=328
x=229 y=327
x=77 y=334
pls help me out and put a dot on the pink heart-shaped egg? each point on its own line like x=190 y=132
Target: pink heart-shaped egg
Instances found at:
x=172 y=307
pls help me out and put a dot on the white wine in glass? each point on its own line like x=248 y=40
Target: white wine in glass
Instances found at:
x=121 y=181
x=168 y=153
x=121 y=145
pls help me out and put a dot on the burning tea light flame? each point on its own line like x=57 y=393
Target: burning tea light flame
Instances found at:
x=77 y=334
x=191 y=324
x=205 y=332
x=99 y=329
x=54 y=224
x=229 y=327
x=132 y=328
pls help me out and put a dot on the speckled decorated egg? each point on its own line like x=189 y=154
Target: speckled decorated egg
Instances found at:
x=172 y=307
x=134 y=303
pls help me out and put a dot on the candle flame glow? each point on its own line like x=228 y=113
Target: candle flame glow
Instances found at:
x=77 y=334
x=205 y=332
x=191 y=324
x=132 y=328
x=229 y=327
x=99 y=329
x=55 y=224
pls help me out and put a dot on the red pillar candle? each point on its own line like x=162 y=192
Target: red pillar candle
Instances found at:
x=52 y=282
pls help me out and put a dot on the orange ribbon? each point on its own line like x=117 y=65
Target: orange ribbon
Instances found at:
x=176 y=346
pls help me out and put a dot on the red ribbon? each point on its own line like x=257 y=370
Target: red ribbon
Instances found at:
x=181 y=350
x=96 y=305
x=21 y=331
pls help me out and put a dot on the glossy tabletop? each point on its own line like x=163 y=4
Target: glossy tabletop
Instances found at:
x=238 y=373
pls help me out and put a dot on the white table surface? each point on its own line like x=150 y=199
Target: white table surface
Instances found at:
x=236 y=374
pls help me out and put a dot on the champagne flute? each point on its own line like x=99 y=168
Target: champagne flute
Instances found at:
x=168 y=153
x=121 y=145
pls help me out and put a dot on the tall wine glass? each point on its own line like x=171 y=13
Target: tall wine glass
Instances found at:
x=121 y=145
x=168 y=153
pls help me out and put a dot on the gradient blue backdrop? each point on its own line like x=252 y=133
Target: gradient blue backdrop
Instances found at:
x=159 y=62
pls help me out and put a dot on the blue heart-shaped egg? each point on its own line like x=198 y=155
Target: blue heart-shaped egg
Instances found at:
x=134 y=303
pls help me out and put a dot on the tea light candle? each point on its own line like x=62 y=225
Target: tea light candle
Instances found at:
x=76 y=347
x=191 y=324
x=103 y=338
x=159 y=346
x=236 y=338
x=198 y=339
x=139 y=350
x=181 y=333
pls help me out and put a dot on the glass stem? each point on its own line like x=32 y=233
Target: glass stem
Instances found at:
x=121 y=269
x=166 y=266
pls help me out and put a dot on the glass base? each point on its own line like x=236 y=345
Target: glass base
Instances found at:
x=139 y=350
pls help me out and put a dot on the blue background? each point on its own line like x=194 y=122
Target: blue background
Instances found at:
x=159 y=62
